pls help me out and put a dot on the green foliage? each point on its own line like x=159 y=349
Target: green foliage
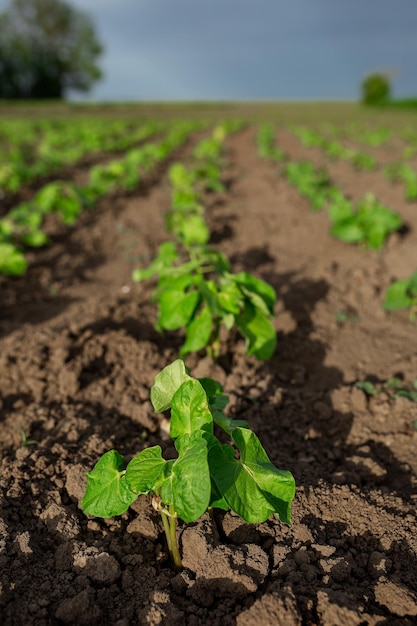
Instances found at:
x=313 y=183
x=201 y=294
x=368 y=387
x=196 y=289
x=335 y=149
x=12 y=261
x=266 y=143
x=402 y=294
x=369 y=223
x=394 y=387
x=32 y=149
x=60 y=197
x=376 y=89
x=46 y=48
x=205 y=473
x=405 y=173
x=23 y=225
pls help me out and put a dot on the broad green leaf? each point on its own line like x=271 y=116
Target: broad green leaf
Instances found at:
x=251 y=485
x=167 y=255
x=397 y=296
x=258 y=286
x=194 y=230
x=219 y=260
x=190 y=410
x=188 y=484
x=210 y=293
x=107 y=492
x=217 y=402
x=166 y=384
x=198 y=332
x=413 y=285
x=230 y=298
x=393 y=383
x=375 y=237
x=12 y=261
x=368 y=387
x=216 y=398
x=257 y=302
x=35 y=238
x=176 y=308
x=144 y=470
x=348 y=230
x=227 y=423
x=407 y=393
x=258 y=332
x=340 y=208
x=179 y=282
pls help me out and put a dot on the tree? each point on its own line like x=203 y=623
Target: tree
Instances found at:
x=46 y=48
x=376 y=89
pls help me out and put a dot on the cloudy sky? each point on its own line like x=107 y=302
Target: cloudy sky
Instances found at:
x=247 y=49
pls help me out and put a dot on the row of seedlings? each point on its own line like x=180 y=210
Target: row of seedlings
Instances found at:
x=197 y=291
x=23 y=225
x=368 y=223
x=27 y=156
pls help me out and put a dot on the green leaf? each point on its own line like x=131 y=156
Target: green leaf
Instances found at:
x=230 y=298
x=166 y=384
x=194 y=230
x=412 y=288
x=144 y=470
x=251 y=485
x=407 y=393
x=12 y=261
x=340 y=208
x=216 y=398
x=209 y=292
x=393 y=383
x=35 y=238
x=259 y=287
x=368 y=387
x=217 y=402
x=397 y=296
x=228 y=424
x=187 y=484
x=348 y=230
x=107 y=492
x=190 y=410
x=198 y=332
x=258 y=331
x=167 y=255
x=176 y=308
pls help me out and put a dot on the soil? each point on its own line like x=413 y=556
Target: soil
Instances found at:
x=78 y=357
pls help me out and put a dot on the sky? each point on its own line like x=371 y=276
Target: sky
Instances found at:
x=251 y=49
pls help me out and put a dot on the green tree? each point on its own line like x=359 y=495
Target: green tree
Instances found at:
x=376 y=89
x=46 y=48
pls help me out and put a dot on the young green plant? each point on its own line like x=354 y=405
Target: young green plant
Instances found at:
x=201 y=294
x=206 y=473
x=402 y=294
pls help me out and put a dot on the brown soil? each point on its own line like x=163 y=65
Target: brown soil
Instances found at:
x=79 y=355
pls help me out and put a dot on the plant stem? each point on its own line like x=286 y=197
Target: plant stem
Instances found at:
x=169 y=522
x=175 y=553
x=213 y=349
x=167 y=531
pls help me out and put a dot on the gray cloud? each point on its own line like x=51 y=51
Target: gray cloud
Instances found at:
x=224 y=49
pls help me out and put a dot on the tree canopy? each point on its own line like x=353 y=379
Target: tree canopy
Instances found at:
x=376 y=89
x=46 y=48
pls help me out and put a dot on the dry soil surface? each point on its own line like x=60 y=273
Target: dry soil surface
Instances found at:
x=78 y=357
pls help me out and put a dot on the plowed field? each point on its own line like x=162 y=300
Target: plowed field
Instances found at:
x=78 y=357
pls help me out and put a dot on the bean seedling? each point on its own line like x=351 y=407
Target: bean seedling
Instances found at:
x=206 y=473
x=402 y=294
x=202 y=293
